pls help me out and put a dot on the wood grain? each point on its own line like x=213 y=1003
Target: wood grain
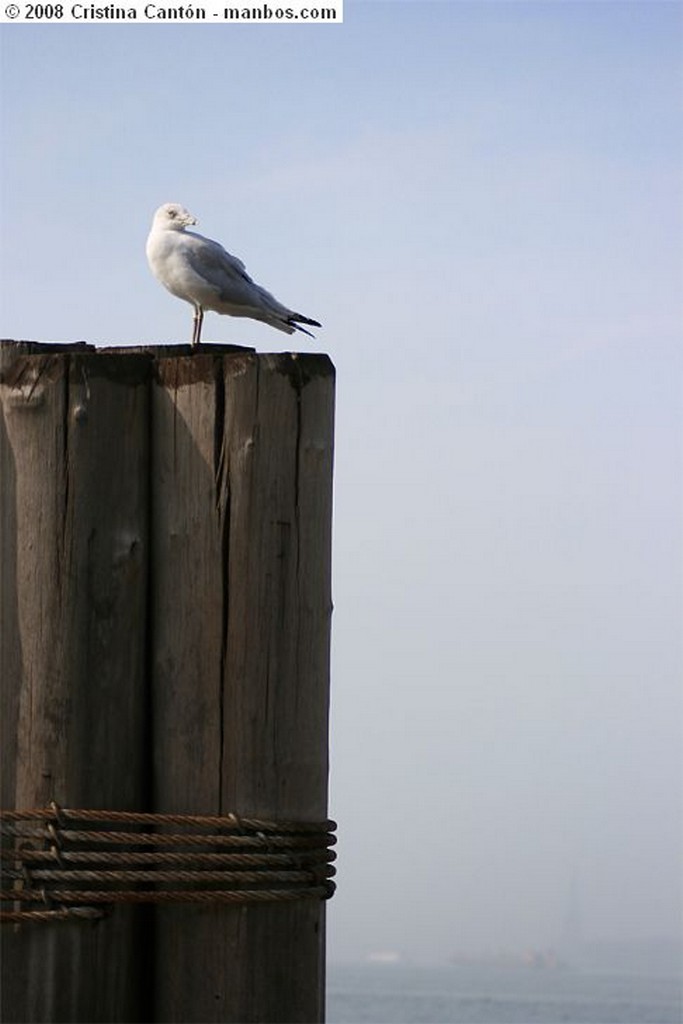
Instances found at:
x=75 y=472
x=243 y=472
x=166 y=612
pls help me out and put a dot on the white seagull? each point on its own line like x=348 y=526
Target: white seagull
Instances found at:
x=202 y=273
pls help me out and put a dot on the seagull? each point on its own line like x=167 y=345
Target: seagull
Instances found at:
x=201 y=272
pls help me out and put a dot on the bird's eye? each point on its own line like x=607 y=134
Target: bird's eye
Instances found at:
x=171 y=213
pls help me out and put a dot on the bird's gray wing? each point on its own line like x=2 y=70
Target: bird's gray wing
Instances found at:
x=221 y=271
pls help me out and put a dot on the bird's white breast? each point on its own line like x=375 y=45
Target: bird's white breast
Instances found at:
x=169 y=265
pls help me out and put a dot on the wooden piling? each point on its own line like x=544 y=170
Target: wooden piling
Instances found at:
x=74 y=566
x=206 y=486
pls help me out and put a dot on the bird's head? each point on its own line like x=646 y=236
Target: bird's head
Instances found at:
x=173 y=215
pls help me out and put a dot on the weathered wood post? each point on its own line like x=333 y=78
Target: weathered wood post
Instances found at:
x=75 y=471
x=237 y=459
x=241 y=612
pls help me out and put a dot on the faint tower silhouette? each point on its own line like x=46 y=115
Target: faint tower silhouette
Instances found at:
x=572 y=937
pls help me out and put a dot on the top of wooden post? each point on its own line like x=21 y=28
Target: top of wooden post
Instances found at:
x=193 y=363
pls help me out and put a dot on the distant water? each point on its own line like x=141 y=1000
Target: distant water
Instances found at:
x=398 y=994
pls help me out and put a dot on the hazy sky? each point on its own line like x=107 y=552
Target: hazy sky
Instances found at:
x=482 y=203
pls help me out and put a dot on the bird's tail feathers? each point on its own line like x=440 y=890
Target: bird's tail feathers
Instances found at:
x=295 y=321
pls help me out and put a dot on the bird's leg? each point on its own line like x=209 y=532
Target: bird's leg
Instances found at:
x=197 y=324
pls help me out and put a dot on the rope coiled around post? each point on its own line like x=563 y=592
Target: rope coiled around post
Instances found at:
x=67 y=864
